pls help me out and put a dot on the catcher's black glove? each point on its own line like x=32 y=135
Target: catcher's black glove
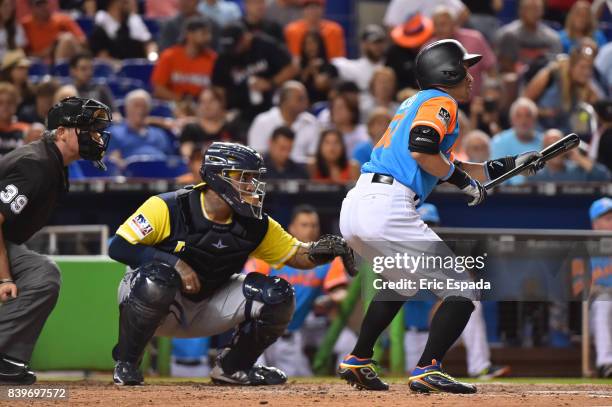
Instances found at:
x=328 y=247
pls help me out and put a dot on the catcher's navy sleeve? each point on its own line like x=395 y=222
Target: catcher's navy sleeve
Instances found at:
x=135 y=255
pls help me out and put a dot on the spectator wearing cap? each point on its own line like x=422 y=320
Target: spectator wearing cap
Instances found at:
x=222 y=12
x=523 y=41
x=14 y=69
x=316 y=72
x=171 y=30
x=134 y=137
x=560 y=87
x=81 y=72
x=446 y=27
x=312 y=20
x=522 y=136
x=407 y=39
x=12 y=35
x=378 y=122
x=574 y=165
x=277 y=159
x=51 y=35
x=43 y=93
x=284 y=11
x=291 y=112
x=184 y=70
x=120 y=33
x=12 y=132
x=373 y=48
x=255 y=20
x=399 y=11
x=249 y=69
x=600 y=214
x=601 y=142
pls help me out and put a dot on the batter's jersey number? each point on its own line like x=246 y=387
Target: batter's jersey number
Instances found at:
x=11 y=195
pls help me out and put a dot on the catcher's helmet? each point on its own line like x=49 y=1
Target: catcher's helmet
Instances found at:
x=441 y=63
x=234 y=171
x=90 y=118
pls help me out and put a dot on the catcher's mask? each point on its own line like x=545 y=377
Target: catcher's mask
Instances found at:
x=234 y=172
x=90 y=119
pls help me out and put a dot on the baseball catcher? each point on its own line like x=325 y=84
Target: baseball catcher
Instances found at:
x=186 y=250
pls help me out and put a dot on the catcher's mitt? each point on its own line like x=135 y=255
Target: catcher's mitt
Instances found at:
x=328 y=247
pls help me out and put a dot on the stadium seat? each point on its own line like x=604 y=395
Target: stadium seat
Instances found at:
x=161 y=108
x=86 y=24
x=61 y=69
x=38 y=68
x=137 y=69
x=151 y=167
x=122 y=86
x=89 y=170
x=153 y=26
x=103 y=69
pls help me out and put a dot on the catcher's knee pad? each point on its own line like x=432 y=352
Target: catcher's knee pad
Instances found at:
x=154 y=287
x=276 y=295
x=152 y=292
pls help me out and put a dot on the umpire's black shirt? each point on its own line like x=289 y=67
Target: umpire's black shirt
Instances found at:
x=32 y=179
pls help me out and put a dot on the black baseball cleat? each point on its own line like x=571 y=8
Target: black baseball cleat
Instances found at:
x=127 y=374
x=432 y=378
x=256 y=376
x=15 y=372
x=361 y=373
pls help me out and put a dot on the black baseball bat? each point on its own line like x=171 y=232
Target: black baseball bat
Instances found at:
x=562 y=146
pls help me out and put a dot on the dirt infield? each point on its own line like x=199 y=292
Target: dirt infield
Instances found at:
x=325 y=393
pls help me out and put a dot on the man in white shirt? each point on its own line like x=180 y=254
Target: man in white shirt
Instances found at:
x=360 y=71
x=291 y=112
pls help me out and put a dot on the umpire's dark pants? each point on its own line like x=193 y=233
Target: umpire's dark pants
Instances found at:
x=22 y=318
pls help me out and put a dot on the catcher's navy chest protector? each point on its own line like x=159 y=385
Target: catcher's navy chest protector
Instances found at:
x=215 y=251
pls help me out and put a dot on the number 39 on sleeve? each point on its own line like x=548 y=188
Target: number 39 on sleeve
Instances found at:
x=10 y=194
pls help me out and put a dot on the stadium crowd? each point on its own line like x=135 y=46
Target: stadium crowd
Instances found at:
x=278 y=76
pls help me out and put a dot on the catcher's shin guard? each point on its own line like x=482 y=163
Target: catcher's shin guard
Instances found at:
x=153 y=291
x=260 y=331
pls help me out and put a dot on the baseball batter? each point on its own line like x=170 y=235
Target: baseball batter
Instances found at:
x=414 y=154
x=186 y=250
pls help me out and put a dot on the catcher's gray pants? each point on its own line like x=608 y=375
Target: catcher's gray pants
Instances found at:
x=224 y=310
x=22 y=318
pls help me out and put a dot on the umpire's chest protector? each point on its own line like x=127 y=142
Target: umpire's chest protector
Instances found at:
x=215 y=251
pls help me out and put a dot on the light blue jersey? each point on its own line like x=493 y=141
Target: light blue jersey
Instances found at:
x=391 y=156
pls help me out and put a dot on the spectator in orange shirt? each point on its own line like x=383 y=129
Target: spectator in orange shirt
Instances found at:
x=185 y=69
x=332 y=32
x=51 y=35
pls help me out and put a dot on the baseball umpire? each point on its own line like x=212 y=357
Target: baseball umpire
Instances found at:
x=33 y=179
x=186 y=250
x=409 y=160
